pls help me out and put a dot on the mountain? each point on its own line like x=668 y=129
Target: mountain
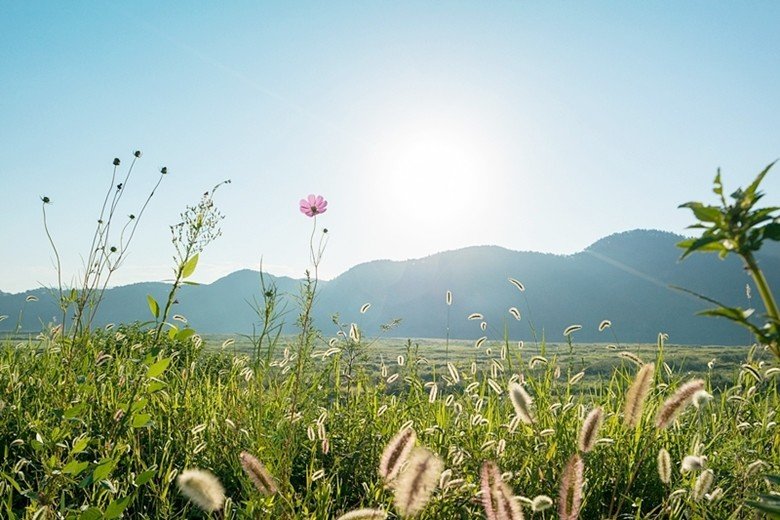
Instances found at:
x=625 y=277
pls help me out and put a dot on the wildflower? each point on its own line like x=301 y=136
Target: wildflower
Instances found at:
x=364 y=514
x=635 y=398
x=416 y=483
x=396 y=452
x=540 y=503
x=664 y=466
x=45 y=200
x=522 y=402
x=164 y=170
x=515 y=313
x=137 y=153
x=604 y=325
x=693 y=463
x=677 y=402
x=313 y=205
x=570 y=499
x=202 y=488
x=116 y=161
x=448 y=298
x=590 y=429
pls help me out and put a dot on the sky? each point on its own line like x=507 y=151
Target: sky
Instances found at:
x=428 y=126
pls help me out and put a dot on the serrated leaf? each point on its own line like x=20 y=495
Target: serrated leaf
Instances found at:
x=158 y=368
x=154 y=307
x=189 y=266
x=117 y=507
x=141 y=420
x=75 y=467
x=145 y=477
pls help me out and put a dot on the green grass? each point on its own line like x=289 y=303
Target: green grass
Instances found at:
x=103 y=424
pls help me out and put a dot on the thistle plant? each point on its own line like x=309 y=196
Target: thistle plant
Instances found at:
x=736 y=226
x=107 y=251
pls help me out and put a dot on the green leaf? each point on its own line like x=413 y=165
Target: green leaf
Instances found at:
x=702 y=212
x=75 y=467
x=117 y=507
x=718 y=185
x=187 y=282
x=750 y=191
x=93 y=513
x=154 y=307
x=155 y=386
x=172 y=332
x=189 y=266
x=771 y=507
x=159 y=367
x=185 y=334
x=145 y=477
x=80 y=445
x=772 y=231
x=103 y=470
x=706 y=243
x=141 y=420
x=74 y=412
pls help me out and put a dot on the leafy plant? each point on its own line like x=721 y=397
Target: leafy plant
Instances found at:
x=736 y=226
x=199 y=226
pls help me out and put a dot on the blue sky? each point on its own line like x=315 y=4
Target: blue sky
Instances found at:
x=427 y=125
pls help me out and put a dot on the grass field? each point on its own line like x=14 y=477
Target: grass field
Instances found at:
x=101 y=426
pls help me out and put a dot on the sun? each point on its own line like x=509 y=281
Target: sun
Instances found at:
x=430 y=170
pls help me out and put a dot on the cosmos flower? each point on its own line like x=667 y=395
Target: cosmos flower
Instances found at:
x=313 y=205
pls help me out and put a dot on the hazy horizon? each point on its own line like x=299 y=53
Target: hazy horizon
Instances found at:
x=428 y=127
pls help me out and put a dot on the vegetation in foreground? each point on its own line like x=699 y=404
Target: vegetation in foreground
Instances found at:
x=142 y=421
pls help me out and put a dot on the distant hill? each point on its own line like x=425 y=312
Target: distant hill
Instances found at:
x=624 y=277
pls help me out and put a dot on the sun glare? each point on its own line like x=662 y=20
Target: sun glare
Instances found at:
x=427 y=171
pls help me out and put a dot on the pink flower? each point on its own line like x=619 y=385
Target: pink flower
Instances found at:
x=312 y=205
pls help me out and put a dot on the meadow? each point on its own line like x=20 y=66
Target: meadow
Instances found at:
x=153 y=420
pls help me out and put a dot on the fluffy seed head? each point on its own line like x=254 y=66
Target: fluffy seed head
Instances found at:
x=677 y=402
x=590 y=429
x=416 y=483
x=635 y=398
x=570 y=497
x=522 y=402
x=693 y=463
x=540 y=503
x=258 y=474
x=202 y=488
x=497 y=497
x=396 y=452
x=703 y=484
x=364 y=514
x=664 y=466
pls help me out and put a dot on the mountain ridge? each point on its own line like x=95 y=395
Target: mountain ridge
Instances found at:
x=624 y=277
